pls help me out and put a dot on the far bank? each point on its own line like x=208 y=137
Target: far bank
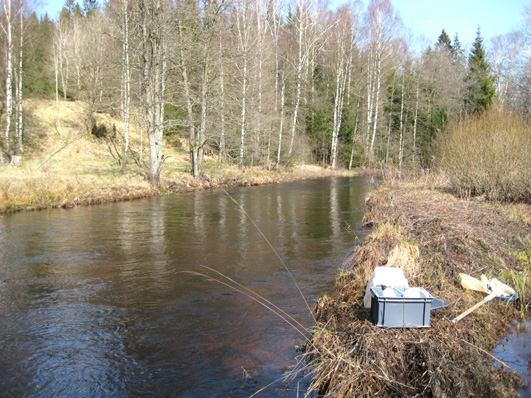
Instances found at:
x=26 y=188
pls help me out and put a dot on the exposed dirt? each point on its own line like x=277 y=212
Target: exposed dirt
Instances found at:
x=433 y=236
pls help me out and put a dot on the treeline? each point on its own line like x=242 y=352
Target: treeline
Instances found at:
x=257 y=82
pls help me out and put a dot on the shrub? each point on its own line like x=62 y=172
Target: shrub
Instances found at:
x=99 y=130
x=488 y=154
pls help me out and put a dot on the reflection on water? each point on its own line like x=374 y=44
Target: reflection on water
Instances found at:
x=515 y=351
x=93 y=301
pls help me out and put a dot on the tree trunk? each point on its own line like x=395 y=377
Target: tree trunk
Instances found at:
x=127 y=82
x=244 y=103
x=390 y=125
x=9 y=75
x=58 y=119
x=194 y=145
x=243 y=27
x=354 y=136
x=222 y=104
x=376 y=106
x=153 y=86
x=369 y=102
x=281 y=124
x=19 y=130
x=401 y=147
x=415 y=126
x=203 y=115
x=300 y=63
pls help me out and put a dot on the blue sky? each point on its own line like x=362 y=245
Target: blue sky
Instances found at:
x=429 y=17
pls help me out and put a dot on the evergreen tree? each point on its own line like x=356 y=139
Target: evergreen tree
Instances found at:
x=90 y=7
x=445 y=41
x=458 y=53
x=38 y=71
x=481 y=89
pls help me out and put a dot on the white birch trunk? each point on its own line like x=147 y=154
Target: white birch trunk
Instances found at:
x=401 y=147
x=58 y=118
x=244 y=103
x=415 y=126
x=369 y=102
x=300 y=64
x=127 y=82
x=9 y=76
x=222 y=104
x=376 y=106
x=353 y=148
x=19 y=121
x=281 y=124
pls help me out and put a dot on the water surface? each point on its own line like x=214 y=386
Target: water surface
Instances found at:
x=94 y=300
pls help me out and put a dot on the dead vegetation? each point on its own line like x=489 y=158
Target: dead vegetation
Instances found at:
x=433 y=236
x=69 y=166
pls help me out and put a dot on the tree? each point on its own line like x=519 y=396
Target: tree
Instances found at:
x=382 y=24
x=153 y=26
x=343 y=42
x=481 y=89
x=7 y=29
x=444 y=40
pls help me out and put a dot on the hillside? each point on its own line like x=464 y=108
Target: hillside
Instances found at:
x=69 y=166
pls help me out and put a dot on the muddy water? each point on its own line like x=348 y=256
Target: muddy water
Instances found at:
x=93 y=301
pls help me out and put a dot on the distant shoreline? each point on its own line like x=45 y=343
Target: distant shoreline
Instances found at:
x=138 y=189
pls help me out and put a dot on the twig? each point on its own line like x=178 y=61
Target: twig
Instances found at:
x=248 y=295
x=486 y=352
x=68 y=142
x=275 y=251
x=256 y=294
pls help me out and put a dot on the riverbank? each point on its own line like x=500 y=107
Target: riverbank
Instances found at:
x=64 y=165
x=433 y=236
x=23 y=189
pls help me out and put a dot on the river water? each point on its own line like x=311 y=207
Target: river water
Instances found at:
x=94 y=301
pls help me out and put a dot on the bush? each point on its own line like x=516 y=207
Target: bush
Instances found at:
x=99 y=130
x=488 y=154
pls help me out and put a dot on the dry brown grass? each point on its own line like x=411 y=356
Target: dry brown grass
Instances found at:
x=433 y=236
x=75 y=168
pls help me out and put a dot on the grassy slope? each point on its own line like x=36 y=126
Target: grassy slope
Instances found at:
x=433 y=236
x=76 y=168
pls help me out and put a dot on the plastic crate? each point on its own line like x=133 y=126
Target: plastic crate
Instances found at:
x=400 y=312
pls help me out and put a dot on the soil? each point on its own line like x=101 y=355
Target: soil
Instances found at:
x=433 y=236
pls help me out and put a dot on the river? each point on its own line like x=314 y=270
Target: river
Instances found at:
x=98 y=301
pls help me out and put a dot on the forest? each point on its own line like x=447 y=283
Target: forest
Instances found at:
x=256 y=82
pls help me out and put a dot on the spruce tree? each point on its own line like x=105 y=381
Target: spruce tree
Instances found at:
x=481 y=89
x=457 y=50
x=445 y=41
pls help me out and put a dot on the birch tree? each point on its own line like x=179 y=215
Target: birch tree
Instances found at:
x=382 y=25
x=245 y=41
x=18 y=78
x=343 y=37
x=153 y=28
x=126 y=78
x=7 y=28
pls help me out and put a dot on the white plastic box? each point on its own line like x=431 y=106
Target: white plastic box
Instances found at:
x=385 y=276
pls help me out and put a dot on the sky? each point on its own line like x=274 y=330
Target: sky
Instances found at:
x=429 y=17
